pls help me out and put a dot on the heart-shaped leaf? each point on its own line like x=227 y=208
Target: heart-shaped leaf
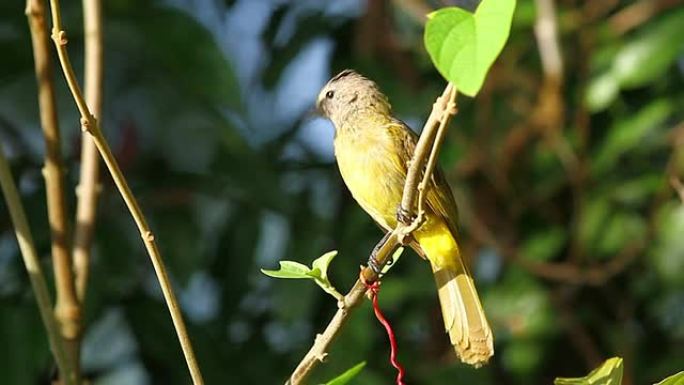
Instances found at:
x=463 y=45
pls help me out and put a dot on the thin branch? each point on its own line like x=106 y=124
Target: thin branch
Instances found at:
x=89 y=188
x=546 y=32
x=91 y=125
x=36 y=276
x=638 y=13
x=67 y=307
x=423 y=149
x=426 y=152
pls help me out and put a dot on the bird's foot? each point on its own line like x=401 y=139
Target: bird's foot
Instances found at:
x=404 y=216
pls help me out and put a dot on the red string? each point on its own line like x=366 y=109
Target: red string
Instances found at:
x=374 y=288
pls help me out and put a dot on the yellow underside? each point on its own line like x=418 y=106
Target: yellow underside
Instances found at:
x=439 y=244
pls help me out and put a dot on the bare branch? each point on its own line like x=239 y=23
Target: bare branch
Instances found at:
x=90 y=125
x=546 y=32
x=426 y=152
x=36 y=276
x=89 y=188
x=67 y=307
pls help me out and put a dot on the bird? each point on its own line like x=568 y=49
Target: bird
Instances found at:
x=373 y=150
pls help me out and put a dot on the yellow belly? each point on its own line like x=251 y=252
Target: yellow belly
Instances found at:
x=371 y=170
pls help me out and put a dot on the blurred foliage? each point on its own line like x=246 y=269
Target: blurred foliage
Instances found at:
x=568 y=215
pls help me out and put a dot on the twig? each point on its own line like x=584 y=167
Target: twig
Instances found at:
x=427 y=148
x=546 y=32
x=36 y=276
x=88 y=188
x=638 y=13
x=90 y=125
x=678 y=186
x=423 y=149
x=67 y=307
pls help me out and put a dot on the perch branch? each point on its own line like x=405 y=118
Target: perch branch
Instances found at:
x=90 y=125
x=426 y=152
x=67 y=307
x=89 y=188
x=36 y=276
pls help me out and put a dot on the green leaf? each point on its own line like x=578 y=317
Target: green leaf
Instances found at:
x=543 y=245
x=601 y=92
x=649 y=56
x=669 y=244
x=290 y=270
x=630 y=133
x=464 y=45
x=321 y=263
x=675 y=379
x=347 y=375
x=319 y=272
x=610 y=373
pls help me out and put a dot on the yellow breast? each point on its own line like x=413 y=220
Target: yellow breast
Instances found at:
x=370 y=166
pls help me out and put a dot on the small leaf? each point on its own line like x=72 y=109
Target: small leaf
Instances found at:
x=601 y=92
x=463 y=45
x=319 y=272
x=675 y=379
x=630 y=133
x=321 y=263
x=291 y=270
x=649 y=56
x=348 y=375
x=610 y=373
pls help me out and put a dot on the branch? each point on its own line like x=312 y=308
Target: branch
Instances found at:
x=88 y=188
x=546 y=32
x=90 y=125
x=426 y=152
x=67 y=307
x=36 y=276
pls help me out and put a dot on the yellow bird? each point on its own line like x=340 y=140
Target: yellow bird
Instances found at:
x=373 y=150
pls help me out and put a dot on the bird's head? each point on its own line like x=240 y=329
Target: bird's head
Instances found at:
x=348 y=93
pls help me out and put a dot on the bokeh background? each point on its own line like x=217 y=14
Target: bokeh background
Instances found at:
x=564 y=180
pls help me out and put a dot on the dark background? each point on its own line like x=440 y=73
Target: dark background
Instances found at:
x=574 y=232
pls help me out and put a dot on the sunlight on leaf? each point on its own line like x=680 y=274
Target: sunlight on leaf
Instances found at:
x=319 y=272
x=610 y=373
x=290 y=270
x=345 y=377
x=464 y=45
x=675 y=379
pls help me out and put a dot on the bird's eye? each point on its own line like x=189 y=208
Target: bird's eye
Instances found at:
x=330 y=94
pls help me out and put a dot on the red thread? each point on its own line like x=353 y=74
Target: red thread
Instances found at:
x=374 y=288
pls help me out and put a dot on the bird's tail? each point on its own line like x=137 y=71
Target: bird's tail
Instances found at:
x=464 y=318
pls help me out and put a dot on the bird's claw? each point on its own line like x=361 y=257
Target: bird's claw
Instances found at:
x=404 y=216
